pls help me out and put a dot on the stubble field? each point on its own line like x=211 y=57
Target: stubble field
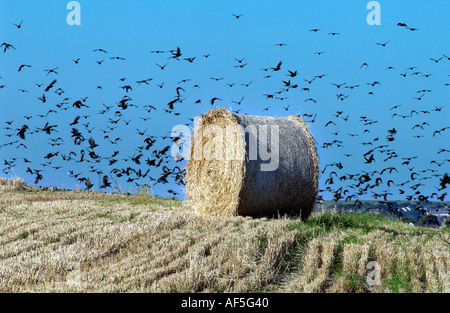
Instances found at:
x=76 y=241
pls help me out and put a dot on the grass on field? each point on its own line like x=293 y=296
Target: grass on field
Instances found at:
x=76 y=241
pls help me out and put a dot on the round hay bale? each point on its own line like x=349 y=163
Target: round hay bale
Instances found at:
x=251 y=165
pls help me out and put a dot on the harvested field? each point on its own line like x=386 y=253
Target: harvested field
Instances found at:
x=73 y=241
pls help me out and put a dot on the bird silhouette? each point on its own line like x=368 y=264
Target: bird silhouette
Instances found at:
x=214 y=100
x=277 y=68
x=106 y=182
x=22 y=66
x=176 y=54
x=6 y=46
x=53 y=70
x=50 y=86
x=383 y=44
x=18 y=26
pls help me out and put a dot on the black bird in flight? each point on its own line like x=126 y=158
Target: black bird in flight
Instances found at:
x=176 y=55
x=53 y=70
x=383 y=44
x=51 y=85
x=92 y=143
x=7 y=46
x=161 y=67
x=278 y=67
x=144 y=81
x=338 y=85
x=18 y=25
x=126 y=87
x=22 y=66
x=48 y=128
x=370 y=159
x=238 y=102
x=22 y=131
x=136 y=158
x=214 y=99
x=43 y=98
x=241 y=65
x=172 y=102
x=75 y=121
x=445 y=180
x=237 y=16
x=190 y=60
x=88 y=184
x=106 y=182
x=436 y=60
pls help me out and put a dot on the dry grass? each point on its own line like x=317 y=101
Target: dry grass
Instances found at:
x=11 y=184
x=60 y=241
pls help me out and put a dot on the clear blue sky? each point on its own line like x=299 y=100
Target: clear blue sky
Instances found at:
x=131 y=29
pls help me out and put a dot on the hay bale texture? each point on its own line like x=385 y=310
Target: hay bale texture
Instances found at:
x=223 y=179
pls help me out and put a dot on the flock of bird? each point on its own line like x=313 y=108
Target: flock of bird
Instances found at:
x=76 y=144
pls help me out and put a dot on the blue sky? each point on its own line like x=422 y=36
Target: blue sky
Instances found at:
x=131 y=29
